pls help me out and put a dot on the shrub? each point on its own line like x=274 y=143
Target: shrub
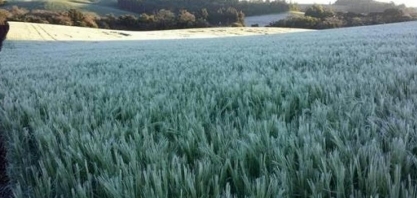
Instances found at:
x=237 y=25
x=77 y=17
x=18 y=13
x=330 y=22
x=318 y=11
x=185 y=19
x=4 y=14
x=297 y=22
x=4 y=29
x=165 y=19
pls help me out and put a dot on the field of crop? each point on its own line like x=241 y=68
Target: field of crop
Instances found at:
x=265 y=20
x=312 y=114
x=45 y=32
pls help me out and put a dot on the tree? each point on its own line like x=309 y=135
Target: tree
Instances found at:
x=77 y=17
x=241 y=18
x=204 y=13
x=62 y=20
x=145 y=18
x=297 y=22
x=128 y=21
x=165 y=19
x=393 y=15
x=185 y=19
x=294 y=7
x=18 y=13
x=330 y=22
x=230 y=15
x=317 y=11
x=90 y=20
x=4 y=29
x=4 y=14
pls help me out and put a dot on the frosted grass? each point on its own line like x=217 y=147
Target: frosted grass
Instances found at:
x=318 y=114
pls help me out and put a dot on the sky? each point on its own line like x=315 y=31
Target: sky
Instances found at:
x=408 y=3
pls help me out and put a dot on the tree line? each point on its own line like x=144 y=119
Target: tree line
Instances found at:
x=159 y=20
x=154 y=15
x=249 y=8
x=317 y=17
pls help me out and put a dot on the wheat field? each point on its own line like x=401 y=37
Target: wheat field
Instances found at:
x=310 y=114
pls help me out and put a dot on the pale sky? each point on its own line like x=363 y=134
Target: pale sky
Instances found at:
x=408 y=3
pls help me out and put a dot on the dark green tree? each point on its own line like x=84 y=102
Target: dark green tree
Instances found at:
x=128 y=21
x=204 y=14
x=165 y=19
x=185 y=19
x=4 y=29
x=318 y=11
x=76 y=16
x=393 y=15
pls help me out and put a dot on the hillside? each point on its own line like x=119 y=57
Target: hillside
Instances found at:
x=264 y=20
x=310 y=114
x=101 y=7
x=356 y=6
x=363 y=6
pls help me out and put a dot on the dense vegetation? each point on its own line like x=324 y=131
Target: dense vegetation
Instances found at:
x=318 y=17
x=153 y=15
x=319 y=114
x=160 y=20
x=249 y=8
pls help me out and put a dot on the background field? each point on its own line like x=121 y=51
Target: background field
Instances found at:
x=265 y=20
x=311 y=114
x=45 y=32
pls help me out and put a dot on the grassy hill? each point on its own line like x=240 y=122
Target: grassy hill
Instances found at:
x=265 y=20
x=311 y=114
x=364 y=6
x=356 y=6
x=102 y=7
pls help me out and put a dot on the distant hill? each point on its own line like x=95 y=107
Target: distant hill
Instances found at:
x=363 y=6
x=357 y=6
x=100 y=7
x=265 y=20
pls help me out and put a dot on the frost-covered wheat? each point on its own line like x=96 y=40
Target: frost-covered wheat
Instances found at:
x=316 y=114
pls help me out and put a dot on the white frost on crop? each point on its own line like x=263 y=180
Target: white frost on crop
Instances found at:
x=328 y=113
